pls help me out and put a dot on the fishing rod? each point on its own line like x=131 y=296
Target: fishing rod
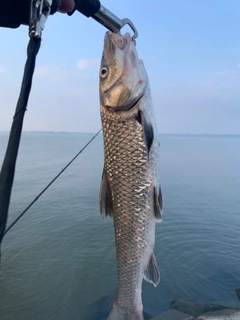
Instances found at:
x=35 y=13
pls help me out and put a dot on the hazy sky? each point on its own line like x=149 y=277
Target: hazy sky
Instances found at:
x=191 y=50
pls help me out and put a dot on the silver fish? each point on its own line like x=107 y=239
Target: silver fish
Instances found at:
x=130 y=190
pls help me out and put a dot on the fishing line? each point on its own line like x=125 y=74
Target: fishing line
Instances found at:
x=53 y=180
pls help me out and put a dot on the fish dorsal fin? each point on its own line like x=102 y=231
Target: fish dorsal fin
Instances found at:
x=148 y=133
x=158 y=203
x=151 y=274
x=105 y=197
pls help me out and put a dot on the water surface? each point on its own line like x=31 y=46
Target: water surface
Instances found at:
x=59 y=260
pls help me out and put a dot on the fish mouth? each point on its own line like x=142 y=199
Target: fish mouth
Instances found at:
x=126 y=107
x=120 y=41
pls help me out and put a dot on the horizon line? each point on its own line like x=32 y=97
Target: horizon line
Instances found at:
x=161 y=133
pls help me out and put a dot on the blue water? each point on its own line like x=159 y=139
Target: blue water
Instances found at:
x=59 y=260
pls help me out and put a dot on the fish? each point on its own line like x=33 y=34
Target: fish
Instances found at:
x=130 y=191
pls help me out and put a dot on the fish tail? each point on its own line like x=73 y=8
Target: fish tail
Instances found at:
x=119 y=313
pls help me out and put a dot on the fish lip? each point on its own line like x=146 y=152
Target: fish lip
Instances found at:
x=126 y=108
x=120 y=41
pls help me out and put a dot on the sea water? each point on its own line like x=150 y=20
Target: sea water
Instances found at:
x=59 y=260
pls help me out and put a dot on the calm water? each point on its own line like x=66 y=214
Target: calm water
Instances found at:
x=60 y=258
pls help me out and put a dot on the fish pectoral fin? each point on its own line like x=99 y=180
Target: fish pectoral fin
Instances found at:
x=148 y=133
x=158 y=203
x=152 y=274
x=105 y=197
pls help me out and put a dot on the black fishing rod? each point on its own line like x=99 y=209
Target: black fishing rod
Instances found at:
x=35 y=13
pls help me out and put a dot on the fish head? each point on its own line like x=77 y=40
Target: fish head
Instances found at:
x=122 y=75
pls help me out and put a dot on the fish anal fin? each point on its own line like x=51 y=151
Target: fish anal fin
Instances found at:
x=152 y=274
x=105 y=197
x=158 y=203
x=147 y=131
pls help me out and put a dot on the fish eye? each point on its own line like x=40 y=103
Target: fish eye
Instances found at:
x=104 y=72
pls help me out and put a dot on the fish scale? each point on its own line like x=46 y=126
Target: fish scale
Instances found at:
x=124 y=148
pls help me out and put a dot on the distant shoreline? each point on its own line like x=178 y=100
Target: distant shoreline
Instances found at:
x=161 y=134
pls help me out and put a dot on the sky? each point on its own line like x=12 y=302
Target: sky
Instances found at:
x=190 y=48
